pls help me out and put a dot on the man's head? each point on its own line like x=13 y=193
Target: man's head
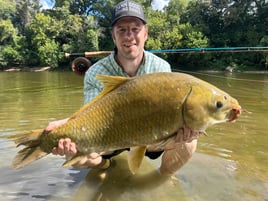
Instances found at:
x=129 y=30
x=127 y=9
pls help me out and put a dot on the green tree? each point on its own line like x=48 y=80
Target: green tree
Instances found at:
x=29 y=35
x=43 y=43
x=175 y=9
x=9 y=44
x=264 y=59
x=25 y=12
x=7 y=9
x=158 y=25
x=76 y=33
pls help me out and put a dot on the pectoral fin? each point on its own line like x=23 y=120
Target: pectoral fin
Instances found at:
x=135 y=157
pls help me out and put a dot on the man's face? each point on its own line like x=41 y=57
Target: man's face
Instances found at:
x=129 y=35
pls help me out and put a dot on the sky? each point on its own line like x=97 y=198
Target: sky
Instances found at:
x=156 y=4
x=46 y=3
x=159 y=4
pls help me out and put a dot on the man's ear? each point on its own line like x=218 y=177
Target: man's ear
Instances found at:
x=147 y=33
x=113 y=36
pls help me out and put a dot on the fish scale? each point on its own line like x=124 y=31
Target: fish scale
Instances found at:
x=134 y=112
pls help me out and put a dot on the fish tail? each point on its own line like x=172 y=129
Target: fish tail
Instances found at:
x=32 y=151
x=27 y=155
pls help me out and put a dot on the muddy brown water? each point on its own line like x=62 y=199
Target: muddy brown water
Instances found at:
x=230 y=164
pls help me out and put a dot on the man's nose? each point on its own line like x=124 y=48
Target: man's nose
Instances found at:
x=130 y=33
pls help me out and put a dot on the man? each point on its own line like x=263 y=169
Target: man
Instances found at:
x=129 y=34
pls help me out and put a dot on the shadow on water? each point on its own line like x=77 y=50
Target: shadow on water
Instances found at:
x=118 y=183
x=203 y=178
x=45 y=180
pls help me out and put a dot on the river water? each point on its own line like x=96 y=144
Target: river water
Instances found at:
x=230 y=164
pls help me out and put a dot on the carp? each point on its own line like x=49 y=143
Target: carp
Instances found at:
x=133 y=113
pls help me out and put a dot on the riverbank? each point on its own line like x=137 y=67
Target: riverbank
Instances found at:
x=239 y=71
x=27 y=69
x=47 y=68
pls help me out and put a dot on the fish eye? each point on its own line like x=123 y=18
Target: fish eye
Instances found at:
x=219 y=104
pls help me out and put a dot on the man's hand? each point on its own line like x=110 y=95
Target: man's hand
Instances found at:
x=176 y=155
x=54 y=124
x=177 y=150
x=68 y=149
x=65 y=147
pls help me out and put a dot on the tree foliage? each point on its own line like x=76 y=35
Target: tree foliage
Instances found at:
x=10 y=44
x=30 y=35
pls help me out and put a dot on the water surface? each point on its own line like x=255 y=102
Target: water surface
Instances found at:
x=230 y=164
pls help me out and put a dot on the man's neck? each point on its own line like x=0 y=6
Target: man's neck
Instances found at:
x=129 y=66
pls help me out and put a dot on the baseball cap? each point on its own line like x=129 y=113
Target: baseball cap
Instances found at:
x=127 y=9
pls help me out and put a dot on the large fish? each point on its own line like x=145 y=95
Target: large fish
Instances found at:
x=133 y=113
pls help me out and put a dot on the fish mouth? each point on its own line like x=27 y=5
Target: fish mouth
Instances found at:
x=234 y=113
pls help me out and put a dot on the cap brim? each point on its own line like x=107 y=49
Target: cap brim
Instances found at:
x=122 y=16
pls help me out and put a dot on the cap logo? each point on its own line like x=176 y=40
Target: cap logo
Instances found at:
x=128 y=6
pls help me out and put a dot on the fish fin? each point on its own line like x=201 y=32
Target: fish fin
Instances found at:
x=135 y=157
x=29 y=138
x=27 y=155
x=32 y=151
x=73 y=160
x=109 y=83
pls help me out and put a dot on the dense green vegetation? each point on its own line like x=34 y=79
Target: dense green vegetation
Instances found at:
x=32 y=36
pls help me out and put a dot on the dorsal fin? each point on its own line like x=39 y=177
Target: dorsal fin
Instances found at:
x=109 y=84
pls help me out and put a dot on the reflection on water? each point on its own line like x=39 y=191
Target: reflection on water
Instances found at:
x=230 y=164
x=117 y=182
